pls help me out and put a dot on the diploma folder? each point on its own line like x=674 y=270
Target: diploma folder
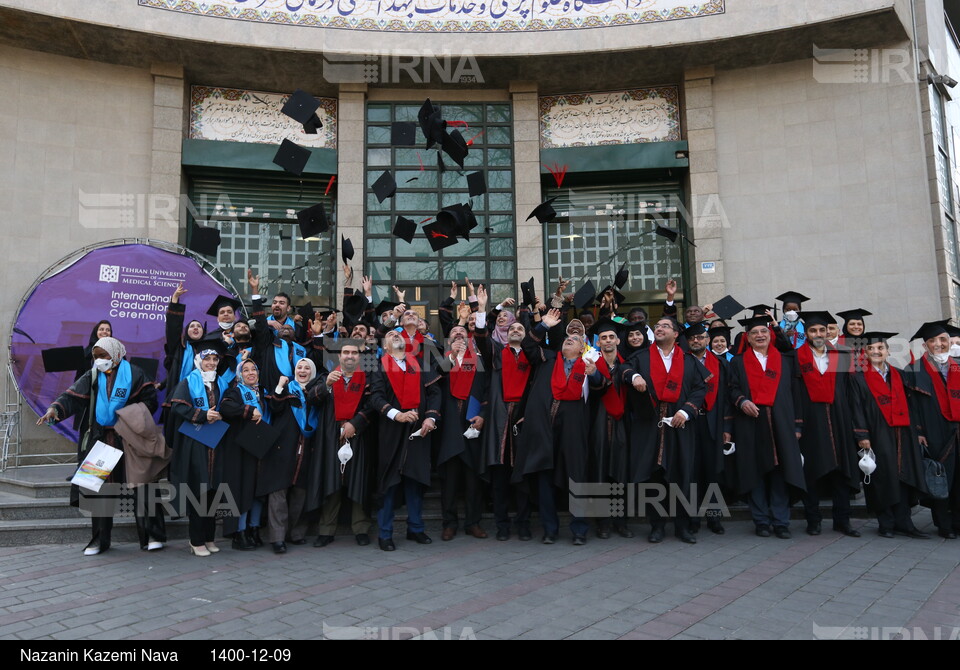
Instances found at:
x=208 y=434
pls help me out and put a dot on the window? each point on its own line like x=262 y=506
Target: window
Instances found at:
x=489 y=257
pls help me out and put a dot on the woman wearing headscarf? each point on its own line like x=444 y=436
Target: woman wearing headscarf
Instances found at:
x=283 y=471
x=196 y=469
x=243 y=405
x=111 y=384
x=181 y=346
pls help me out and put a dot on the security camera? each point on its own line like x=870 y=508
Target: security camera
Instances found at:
x=941 y=80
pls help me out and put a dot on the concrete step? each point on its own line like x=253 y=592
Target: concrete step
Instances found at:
x=38 y=481
x=21 y=508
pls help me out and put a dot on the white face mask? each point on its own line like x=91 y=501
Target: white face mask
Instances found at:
x=225 y=326
x=834 y=340
x=344 y=454
x=941 y=359
x=103 y=364
x=868 y=464
x=791 y=316
x=208 y=376
x=955 y=351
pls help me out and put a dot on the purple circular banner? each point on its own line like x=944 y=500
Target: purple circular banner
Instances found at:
x=128 y=285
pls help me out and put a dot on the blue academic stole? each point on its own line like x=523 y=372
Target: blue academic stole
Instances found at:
x=252 y=397
x=307 y=417
x=107 y=407
x=186 y=365
x=198 y=392
x=281 y=355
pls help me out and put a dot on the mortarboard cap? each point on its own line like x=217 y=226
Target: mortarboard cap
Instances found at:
x=148 y=365
x=528 y=292
x=354 y=305
x=431 y=122
x=325 y=312
x=385 y=186
x=585 y=295
x=403 y=134
x=64 y=359
x=753 y=322
x=817 y=318
x=346 y=249
x=716 y=332
x=476 y=183
x=695 y=329
x=458 y=218
x=302 y=108
x=726 y=307
x=952 y=331
x=292 y=157
x=854 y=314
x=792 y=296
x=385 y=306
x=405 y=229
x=603 y=325
x=760 y=309
x=930 y=330
x=455 y=146
x=440 y=235
x=204 y=240
x=668 y=233
x=875 y=336
x=620 y=280
x=544 y=211
x=213 y=341
x=223 y=301
x=306 y=311
x=313 y=221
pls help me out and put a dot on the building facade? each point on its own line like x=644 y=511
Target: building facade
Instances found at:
x=803 y=146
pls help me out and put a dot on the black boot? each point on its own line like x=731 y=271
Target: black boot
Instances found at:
x=254 y=532
x=241 y=542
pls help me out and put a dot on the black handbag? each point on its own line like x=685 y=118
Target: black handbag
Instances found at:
x=935 y=474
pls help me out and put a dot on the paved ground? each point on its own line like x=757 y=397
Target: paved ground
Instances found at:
x=731 y=586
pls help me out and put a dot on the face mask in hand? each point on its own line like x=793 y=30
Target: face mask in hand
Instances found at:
x=103 y=364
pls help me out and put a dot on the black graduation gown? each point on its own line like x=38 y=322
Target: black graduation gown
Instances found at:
x=239 y=469
x=324 y=473
x=453 y=444
x=897 y=450
x=554 y=434
x=76 y=402
x=770 y=440
x=193 y=465
x=288 y=461
x=712 y=467
x=943 y=437
x=664 y=449
x=174 y=349
x=498 y=441
x=609 y=447
x=827 y=441
x=398 y=456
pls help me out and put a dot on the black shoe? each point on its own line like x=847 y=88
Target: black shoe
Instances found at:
x=847 y=530
x=814 y=528
x=947 y=534
x=763 y=531
x=323 y=540
x=362 y=539
x=603 y=533
x=913 y=532
x=580 y=540
x=298 y=542
x=387 y=544
x=686 y=536
x=655 y=536
x=254 y=535
x=623 y=531
x=241 y=542
x=524 y=534
x=782 y=532
x=694 y=527
x=503 y=535
x=549 y=539
x=885 y=533
x=279 y=547
x=419 y=538
x=716 y=527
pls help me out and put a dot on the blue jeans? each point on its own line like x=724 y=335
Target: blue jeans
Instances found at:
x=414 y=495
x=252 y=517
x=769 y=502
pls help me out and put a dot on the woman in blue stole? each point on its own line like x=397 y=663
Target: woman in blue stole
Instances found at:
x=283 y=471
x=244 y=406
x=110 y=385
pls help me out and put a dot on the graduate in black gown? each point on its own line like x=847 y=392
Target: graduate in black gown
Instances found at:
x=763 y=390
x=669 y=387
x=882 y=423
x=111 y=384
x=935 y=378
x=826 y=441
x=407 y=400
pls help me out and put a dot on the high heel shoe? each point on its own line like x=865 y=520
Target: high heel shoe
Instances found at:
x=211 y=547
x=199 y=551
